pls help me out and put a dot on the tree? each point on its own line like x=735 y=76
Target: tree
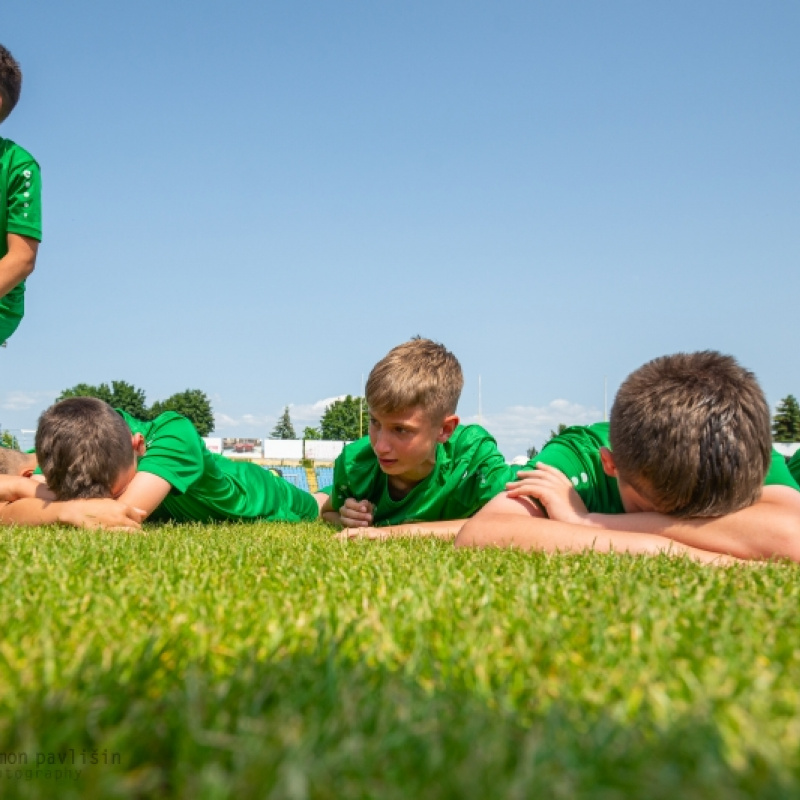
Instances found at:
x=786 y=422
x=193 y=404
x=7 y=439
x=560 y=429
x=345 y=420
x=311 y=433
x=119 y=395
x=284 y=428
x=532 y=452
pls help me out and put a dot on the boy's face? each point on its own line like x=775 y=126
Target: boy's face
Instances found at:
x=405 y=441
x=129 y=472
x=633 y=501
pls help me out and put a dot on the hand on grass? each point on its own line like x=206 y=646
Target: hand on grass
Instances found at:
x=101 y=513
x=554 y=490
x=356 y=513
x=363 y=533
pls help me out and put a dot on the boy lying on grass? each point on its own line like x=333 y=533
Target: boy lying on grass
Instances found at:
x=86 y=449
x=685 y=462
x=418 y=471
x=25 y=501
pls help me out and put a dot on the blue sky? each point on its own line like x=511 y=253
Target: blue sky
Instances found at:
x=260 y=199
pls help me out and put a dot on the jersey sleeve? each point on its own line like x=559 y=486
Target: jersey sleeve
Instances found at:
x=353 y=473
x=779 y=473
x=174 y=451
x=488 y=476
x=24 y=199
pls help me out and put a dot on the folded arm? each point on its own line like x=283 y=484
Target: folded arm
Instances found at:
x=18 y=262
x=146 y=492
x=770 y=528
x=490 y=528
x=102 y=513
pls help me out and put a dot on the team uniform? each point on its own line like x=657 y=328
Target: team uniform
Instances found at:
x=20 y=213
x=576 y=453
x=207 y=487
x=469 y=472
x=794 y=466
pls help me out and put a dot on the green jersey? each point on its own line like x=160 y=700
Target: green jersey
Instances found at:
x=576 y=453
x=20 y=213
x=794 y=465
x=208 y=487
x=469 y=471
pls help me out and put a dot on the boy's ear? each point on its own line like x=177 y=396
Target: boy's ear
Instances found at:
x=448 y=426
x=609 y=467
x=30 y=467
x=138 y=444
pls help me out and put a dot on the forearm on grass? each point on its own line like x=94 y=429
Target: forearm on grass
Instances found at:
x=441 y=529
x=536 y=533
x=95 y=513
x=770 y=528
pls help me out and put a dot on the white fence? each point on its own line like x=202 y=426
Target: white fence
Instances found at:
x=289 y=449
x=323 y=450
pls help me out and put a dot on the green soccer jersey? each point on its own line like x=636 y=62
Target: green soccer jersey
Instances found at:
x=20 y=213
x=794 y=466
x=469 y=472
x=207 y=487
x=576 y=453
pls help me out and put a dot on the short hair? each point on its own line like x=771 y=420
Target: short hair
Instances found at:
x=691 y=431
x=12 y=461
x=83 y=446
x=419 y=373
x=10 y=82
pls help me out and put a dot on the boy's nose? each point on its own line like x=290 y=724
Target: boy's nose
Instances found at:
x=380 y=445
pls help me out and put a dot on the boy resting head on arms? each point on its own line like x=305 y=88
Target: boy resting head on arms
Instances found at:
x=686 y=461
x=418 y=471
x=25 y=500
x=162 y=466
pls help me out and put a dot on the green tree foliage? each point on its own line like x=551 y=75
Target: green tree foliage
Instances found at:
x=345 y=420
x=120 y=395
x=560 y=429
x=786 y=422
x=193 y=404
x=284 y=428
x=532 y=452
x=312 y=433
x=7 y=439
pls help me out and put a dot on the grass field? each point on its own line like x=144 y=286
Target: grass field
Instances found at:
x=272 y=661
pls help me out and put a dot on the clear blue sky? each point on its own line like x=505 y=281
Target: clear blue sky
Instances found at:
x=259 y=199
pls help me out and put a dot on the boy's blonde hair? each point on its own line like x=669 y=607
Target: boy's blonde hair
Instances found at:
x=10 y=82
x=691 y=431
x=83 y=446
x=419 y=373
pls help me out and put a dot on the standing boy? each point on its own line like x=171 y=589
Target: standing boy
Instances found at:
x=20 y=207
x=87 y=449
x=418 y=469
x=685 y=465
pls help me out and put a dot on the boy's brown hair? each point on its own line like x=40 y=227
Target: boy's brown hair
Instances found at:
x=418 y=373
x=12 y=461
x=10 y=82
x=691 y=432
x=83 y=446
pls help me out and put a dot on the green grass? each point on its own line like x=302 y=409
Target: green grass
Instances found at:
x=273 y=661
